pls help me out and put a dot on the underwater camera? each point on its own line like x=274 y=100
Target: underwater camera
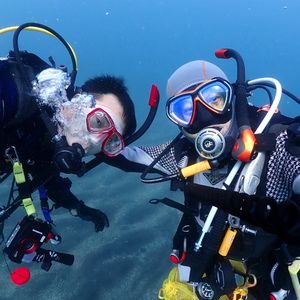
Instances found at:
x=25 y=241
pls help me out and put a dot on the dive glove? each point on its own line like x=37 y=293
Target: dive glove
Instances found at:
x=68 y=158
x=91 y=214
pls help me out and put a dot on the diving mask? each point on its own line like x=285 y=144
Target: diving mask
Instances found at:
x=82 y=121
x=215 y=94
x=98 y=121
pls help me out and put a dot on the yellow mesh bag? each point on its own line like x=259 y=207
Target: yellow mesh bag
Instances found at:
x=173 y=289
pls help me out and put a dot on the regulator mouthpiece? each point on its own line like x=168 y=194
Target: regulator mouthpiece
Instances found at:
x=210 y=143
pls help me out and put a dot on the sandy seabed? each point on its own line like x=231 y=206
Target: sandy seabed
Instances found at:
x=128 y=260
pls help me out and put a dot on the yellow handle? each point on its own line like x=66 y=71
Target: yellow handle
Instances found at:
x=227 y=241
x=196 y=168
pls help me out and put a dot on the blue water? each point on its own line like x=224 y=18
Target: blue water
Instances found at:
x=144 y=41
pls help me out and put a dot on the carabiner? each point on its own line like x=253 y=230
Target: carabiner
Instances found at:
x=12 y=155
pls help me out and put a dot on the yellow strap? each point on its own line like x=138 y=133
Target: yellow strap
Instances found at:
x=20 y=178
x=293 y=270
x=18 y=172
x=29 y=207
x=239 y=292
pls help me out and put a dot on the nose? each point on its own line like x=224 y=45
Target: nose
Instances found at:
x=97 y=139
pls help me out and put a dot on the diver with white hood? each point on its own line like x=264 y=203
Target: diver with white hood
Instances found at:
x=245 y=243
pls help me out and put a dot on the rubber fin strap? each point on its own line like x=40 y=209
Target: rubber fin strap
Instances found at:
x=23 y=186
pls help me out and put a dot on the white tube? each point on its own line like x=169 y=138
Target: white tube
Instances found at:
x=238 y=164
x=275 y=103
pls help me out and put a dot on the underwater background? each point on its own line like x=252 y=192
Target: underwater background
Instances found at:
x=145 y=42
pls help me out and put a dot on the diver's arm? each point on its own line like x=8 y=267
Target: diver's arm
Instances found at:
x=58 y=190
x=134 y=159
x=139 y=156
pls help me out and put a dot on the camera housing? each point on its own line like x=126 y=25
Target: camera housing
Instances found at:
x=27 y=238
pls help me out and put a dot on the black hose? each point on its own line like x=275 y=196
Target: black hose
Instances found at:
x=18 y=56
x=240 y=86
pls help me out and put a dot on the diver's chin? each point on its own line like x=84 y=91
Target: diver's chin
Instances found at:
x=190 y=136
x=91 y=151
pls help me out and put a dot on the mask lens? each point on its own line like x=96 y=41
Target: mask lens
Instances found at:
x=98 y=121
x=180 y=110
x=113 y=145
x=215 y=95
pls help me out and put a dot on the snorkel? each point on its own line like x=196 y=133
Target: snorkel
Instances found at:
x=244 y=146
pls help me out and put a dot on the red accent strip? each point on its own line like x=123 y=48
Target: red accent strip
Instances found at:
x=221 y=54
x=266 y=108
x=49 y=236
x=183 y=256
x=153 y=96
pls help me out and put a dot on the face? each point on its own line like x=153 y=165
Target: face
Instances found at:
x=219 y=102
x=75 y=126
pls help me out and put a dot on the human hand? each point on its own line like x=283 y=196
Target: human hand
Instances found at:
x=91 y=214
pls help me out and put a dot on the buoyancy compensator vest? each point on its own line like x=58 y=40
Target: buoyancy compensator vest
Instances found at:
x=18 y=104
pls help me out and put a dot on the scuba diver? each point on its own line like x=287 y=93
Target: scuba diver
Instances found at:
x=239 y=168
x=47 y=126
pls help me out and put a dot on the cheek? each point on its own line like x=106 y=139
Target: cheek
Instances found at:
x=94 y=143
x=91 y=149
x=74 y=121
x=77 y=129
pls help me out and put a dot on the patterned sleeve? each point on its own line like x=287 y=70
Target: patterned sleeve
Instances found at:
x=145 y=156
x=283 y=168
